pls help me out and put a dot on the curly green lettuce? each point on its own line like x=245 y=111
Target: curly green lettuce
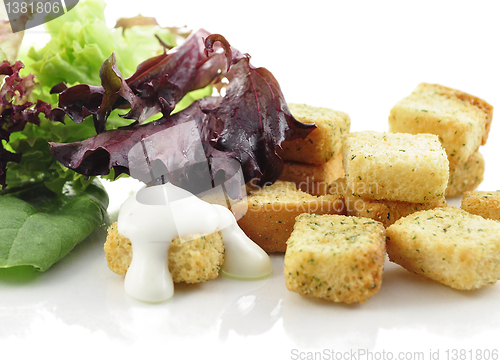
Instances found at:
x=80 y=42
x=45 y=207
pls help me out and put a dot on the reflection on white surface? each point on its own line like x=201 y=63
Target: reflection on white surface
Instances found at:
x=361 y=58
x=87 y=304
x=79 y=300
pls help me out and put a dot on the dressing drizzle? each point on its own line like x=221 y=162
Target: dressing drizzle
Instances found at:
x=154 y=216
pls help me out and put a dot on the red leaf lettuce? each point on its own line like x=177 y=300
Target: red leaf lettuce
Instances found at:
x=16 y=111
x=246 y=125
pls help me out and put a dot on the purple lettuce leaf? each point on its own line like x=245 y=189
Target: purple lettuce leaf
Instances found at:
x=182 y=152
x=165 y=79
x=116 y=91
x=158 y=84
x=16 y=111
x=114 y=149
x=246 y=125
x=255 y=116
x=82 y=101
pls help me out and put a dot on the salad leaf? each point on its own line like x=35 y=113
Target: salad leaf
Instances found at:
x=38 y=227
x=177 y=150
x=99 y=154
x=246 y=125
x=47 y=208
x=80 y=42
x=157 y=85
x=255 y=116
x=16 y=111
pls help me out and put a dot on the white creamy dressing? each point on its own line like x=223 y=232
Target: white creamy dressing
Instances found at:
x=155 y=215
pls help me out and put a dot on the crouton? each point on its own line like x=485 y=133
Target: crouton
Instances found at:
x=321 y=144
x=482 y=203
x=448 y=245
x=193 y=260
x=465 y=176
x=461 y=121
x=336 y=258
x=386 y=212
x=313 y=178
x=395 y=166
x=271 y=212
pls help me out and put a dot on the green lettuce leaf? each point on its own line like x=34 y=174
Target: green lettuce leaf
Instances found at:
x=47 y=208
x=39 y=227
x=81 y=41
x=192 y=97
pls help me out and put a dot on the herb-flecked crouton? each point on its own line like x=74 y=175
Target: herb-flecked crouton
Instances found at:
x=465 y=176
x=336 y=258
x=313 y=178
x=384 y=211
x=192 y=260
x=321 y=144
x=448 y=245
x=461 y=121
x=395 y=166
x=272 y=210
x=482 y=203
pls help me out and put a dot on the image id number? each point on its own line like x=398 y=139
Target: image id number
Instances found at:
x=478 y=355
x=14 y=7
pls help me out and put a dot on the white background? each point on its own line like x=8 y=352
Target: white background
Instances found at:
x=360 y=57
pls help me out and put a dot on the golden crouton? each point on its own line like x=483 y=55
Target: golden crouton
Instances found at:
x=196 y=260
x=465 y=176
x=448 y=245
x=271 y=213
x=336 y=258
x=313 y=178
x=462 y=121
x=386 y=212
x=321 y=144
x=485 y=204
x=400 y=167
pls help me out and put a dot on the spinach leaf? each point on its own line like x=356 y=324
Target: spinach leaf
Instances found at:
x=39 y=227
